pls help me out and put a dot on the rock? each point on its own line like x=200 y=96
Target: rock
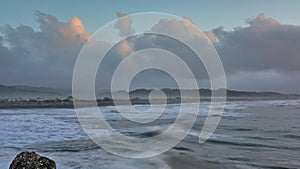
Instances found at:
x=31 y=160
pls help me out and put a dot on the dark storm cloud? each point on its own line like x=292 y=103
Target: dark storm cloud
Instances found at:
x=5 y=54
x=265 y=55
x=263 y=45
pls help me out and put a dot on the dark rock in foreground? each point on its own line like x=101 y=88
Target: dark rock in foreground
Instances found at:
x=31 y=160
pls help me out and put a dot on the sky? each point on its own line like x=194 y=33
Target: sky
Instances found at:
x=258 y=41
x=207 y=14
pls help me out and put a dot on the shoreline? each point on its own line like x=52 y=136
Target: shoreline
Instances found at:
x=69 y=104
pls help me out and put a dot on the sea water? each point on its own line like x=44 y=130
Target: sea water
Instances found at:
x=251 y=134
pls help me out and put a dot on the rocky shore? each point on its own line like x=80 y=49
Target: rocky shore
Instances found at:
x=31 y=160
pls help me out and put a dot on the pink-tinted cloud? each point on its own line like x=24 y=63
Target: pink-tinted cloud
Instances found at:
x=42 y=56
x=77 y=30
x=71 y=33
x=124 y=24
x=262 y=23
x=125 y=48
x=185 y=29
x=211 y=36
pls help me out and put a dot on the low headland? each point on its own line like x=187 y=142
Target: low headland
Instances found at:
x=141 y=96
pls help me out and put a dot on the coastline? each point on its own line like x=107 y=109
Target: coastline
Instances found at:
x=68 y=104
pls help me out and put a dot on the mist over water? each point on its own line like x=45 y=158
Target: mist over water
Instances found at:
x=252 y=134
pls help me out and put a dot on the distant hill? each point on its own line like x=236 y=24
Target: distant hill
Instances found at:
x=19 y=91
x=13 y=92
x=231 y=94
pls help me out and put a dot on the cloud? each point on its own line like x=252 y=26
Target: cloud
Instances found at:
x=250 y=53
x=263 y=55
x=124 y=24
x=72 y=33
x=262 y=22
x=265 y=44
x=41 y=57
x=6 y=57
x=125 y=48
x=211 y=36
x=184 y=29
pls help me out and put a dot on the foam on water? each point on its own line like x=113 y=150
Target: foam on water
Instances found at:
x=246 y=127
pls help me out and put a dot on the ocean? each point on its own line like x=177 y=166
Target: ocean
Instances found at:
x=251 y=134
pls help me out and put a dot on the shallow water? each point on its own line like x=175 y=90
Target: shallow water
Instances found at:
x=256 y=134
